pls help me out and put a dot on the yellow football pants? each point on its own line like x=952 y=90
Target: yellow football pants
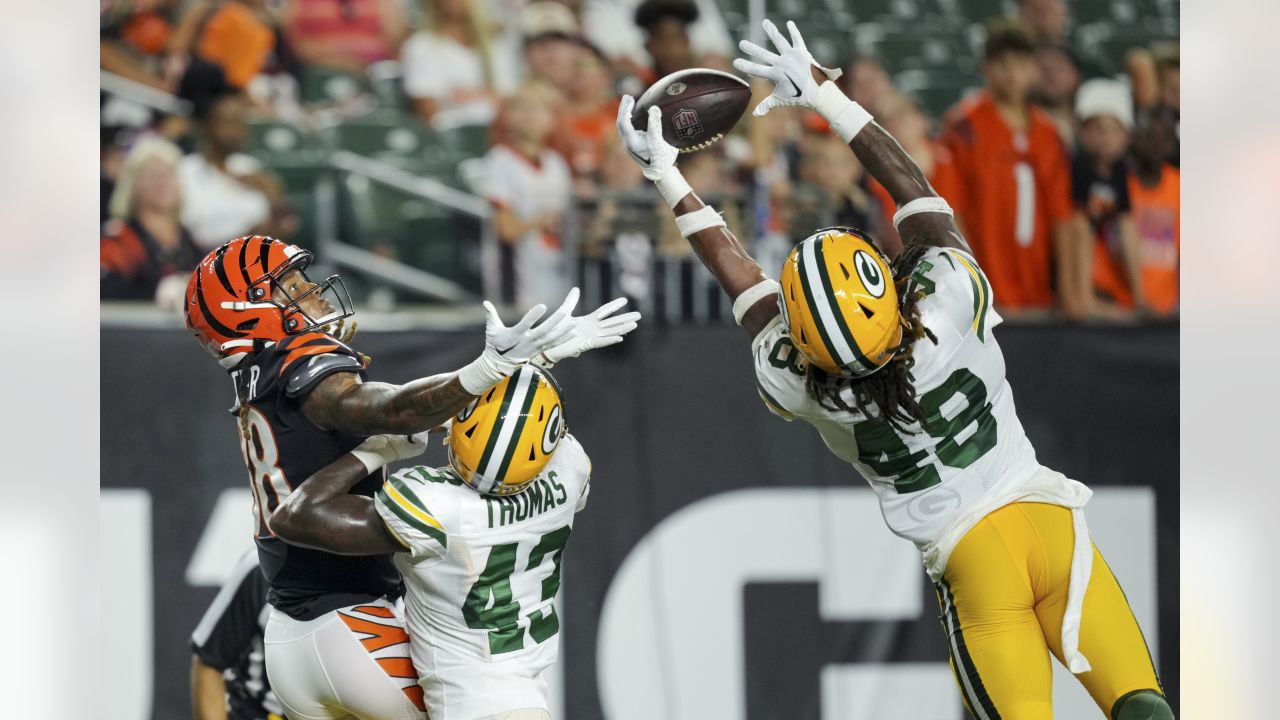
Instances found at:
x=1002 y=595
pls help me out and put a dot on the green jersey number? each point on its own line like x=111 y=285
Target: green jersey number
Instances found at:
x=491 y=606
x=880 y=448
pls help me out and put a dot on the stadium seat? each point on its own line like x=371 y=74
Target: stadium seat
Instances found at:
x=382 y=133
x=320 y=86
x=275 y=142
x=980 y=11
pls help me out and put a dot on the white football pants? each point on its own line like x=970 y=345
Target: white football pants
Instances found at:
x=352 y=662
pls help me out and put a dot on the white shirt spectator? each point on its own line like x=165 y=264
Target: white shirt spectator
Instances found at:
x=610 y=25
x=528 y=189
x=441 y=68
x=215 y=206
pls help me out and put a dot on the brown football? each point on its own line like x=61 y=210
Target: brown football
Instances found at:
x=699 y=106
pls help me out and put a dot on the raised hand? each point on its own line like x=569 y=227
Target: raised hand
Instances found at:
x=788 y=69
x=649 y=149
x=520 y=342
x=595 y=330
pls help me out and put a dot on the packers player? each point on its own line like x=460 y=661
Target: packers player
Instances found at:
x=480 y=543
x=893 y=361
x=335 y=646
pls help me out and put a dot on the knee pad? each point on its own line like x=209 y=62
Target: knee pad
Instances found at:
x=1141 y=705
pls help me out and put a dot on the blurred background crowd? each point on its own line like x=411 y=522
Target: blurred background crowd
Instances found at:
x=438 y=150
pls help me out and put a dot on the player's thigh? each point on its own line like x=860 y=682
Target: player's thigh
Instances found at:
x=295 y=670
x=365 y=654
x=1109 y=637
x=997 y=650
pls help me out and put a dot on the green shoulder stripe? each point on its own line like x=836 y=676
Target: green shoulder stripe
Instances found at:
x=981 y=295
x=407 y=506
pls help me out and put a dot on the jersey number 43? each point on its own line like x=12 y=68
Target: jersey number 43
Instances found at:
x=491 y=606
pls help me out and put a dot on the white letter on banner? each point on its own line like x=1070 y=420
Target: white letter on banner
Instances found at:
x=670 y=639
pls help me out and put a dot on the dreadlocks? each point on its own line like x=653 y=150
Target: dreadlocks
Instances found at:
x=890 y=389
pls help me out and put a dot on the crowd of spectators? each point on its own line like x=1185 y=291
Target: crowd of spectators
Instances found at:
x=1063 y=174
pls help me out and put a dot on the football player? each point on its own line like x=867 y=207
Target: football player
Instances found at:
x=893 y=361
x=480 y=543
x=334 y=644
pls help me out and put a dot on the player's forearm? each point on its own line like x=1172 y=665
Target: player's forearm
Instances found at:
x=889 y=164
x=381 y=408
x=722 y=252
x=736 y=271
x=322 y=514
x=208 y=692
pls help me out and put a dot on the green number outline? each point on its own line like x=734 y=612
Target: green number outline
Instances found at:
x=876 y=438
x=490 y=605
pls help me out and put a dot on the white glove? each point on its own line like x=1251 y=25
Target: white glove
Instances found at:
x=655 y=156
x=380 y=450
x=592 y=331
x=788 y=69
x=507 y=348
x=794 y=85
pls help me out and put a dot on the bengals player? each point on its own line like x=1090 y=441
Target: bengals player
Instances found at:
x=896 y=367
x=335 y=645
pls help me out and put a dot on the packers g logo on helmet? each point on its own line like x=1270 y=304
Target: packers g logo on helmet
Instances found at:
x=840 y=303
x=500 y=442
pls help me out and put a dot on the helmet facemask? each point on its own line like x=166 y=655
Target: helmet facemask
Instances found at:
x=293 y=317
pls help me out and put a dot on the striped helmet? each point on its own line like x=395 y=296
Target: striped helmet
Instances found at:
x=840 y=303
x=501 y=441
x=230 y=306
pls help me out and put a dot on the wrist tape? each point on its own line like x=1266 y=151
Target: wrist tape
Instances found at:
x=700 y=219
x=753 y=295
x=845 y=116
x=922 y=205
x=370 y=453
x=483 y=373
x=673 y=186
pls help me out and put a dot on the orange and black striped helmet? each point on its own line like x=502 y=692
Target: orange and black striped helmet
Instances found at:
x=230 y=306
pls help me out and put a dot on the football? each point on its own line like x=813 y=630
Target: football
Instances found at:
x=699 y=106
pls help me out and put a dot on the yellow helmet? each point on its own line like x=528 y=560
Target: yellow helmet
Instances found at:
x=501 y=441
x=840 y=303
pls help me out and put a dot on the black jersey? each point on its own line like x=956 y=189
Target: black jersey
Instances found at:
x=229 y=638
x=282 y=448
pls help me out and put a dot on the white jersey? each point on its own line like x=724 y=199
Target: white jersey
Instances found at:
x=482 y=573
x=970 y=457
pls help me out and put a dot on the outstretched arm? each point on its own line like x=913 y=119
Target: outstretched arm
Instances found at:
x=923 y=217
x=753 y=294
x=322 y=514
x=342 y=402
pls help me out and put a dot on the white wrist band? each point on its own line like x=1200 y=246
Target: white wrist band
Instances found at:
x=481 y=374
x=673 y=186
x=932 y=203
x=845 y=116
x=370 y=453
x=753 y=295
x=372 y=461
x=700 y=219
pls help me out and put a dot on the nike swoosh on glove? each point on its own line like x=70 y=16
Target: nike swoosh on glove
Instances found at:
x=787 y=69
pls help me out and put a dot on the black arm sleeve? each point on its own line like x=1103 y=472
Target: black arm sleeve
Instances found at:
x=227 y=629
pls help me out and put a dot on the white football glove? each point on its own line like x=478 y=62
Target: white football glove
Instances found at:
x=655 y=156
x=793 y=83
x=788 y=69
x=506 y=348
x=380 y=450
x=590 y=332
